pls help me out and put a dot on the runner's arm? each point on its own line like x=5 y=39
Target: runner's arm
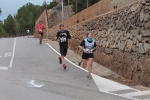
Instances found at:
x=43 y=27
x=57 y=36
x=94 y=49
x=81 y=46
x=68 y=35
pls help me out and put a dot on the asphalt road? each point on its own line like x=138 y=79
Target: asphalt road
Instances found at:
x=30 y=71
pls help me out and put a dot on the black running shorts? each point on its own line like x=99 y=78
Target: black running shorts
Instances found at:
x=41 y=34
x=63 y=50
x=87 y=56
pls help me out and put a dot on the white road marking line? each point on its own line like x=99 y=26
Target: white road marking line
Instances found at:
x=67 y=59
x=109 y=85
x=104 y=85
x=140 y=93
x=6 y=54
x=3 y=68
x=13 y=53
x=32 y=84
x=9 y=53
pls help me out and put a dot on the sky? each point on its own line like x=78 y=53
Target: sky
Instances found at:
x=11 y=6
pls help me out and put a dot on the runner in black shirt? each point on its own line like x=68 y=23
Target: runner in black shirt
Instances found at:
x=63 y=36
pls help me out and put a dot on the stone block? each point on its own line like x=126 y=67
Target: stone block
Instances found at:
x=142 y=14
x=119 y=24
x=122 y=46
x=147 y=0
x=146 y=47
x=108 y=51
x=134 y=49
x=134 y=40
x=129 y=45
x=130 y=16
x=139 y=37
x=141 y=48
x=133 y=7
x=146 y=33
x=143 y=1
x=147 y=17
x=147 y=26
x=128 y=36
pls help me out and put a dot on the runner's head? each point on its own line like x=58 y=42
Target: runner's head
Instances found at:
x=40 y=22
x=89 y=34
x=61 y=26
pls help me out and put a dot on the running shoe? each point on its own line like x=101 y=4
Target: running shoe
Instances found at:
x=40 y=42
x=80 y=63
x=60 y=60
x=64 y=65
x=89 y=77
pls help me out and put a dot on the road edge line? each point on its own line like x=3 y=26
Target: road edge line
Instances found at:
x=13 y=54
x=66 y=58
x=3 y=68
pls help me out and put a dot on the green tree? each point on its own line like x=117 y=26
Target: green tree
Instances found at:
x=0 y=11
x=10 y=25
x=26 y=16
x=91 y=2
x=68 y=1
x=51 y=5
x=2 y=31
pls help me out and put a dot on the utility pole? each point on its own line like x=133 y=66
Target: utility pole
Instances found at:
x=62 y=12
x=76 y=6
x=87 y=3
x=68 y=2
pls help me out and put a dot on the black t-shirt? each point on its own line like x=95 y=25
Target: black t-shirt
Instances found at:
x=63 y=39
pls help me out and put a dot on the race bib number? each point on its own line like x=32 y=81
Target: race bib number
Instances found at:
x=63 y=39
x=40 y=30
x=89 y=50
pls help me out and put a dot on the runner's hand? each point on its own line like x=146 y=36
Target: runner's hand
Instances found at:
x=84 y=50
x=65 y=34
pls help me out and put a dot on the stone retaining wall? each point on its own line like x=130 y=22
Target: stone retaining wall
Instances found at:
x=123 y=39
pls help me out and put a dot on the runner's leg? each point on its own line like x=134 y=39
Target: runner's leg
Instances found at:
x=90 y=62
x=63 y=52
x=40 y=38
x=63 y=60
x=84 y=60
x=84 y=63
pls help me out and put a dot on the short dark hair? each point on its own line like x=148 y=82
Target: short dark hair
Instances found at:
x=61 y=25
x=88 y=32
